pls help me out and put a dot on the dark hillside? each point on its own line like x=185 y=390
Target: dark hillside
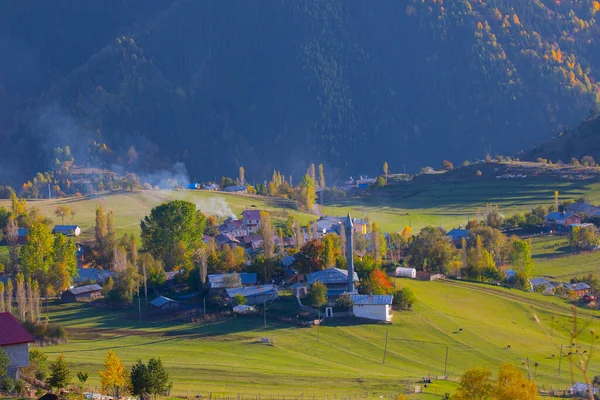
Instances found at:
x=267 y=84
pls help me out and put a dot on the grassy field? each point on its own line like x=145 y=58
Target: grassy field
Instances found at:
x=450 y=204
x=410 y=203
x=130 y=208
x=226 y=358
x=553 y=259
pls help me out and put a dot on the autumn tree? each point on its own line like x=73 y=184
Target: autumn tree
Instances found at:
x=64 y=266
x=430 y=251
x=307 y=193
x=4 y=362
x=9 y=296
x=37 y=256
x=312 y=172
x=385 y=171
x=446 y=165
x=114 y=377
x=21 y=296
x=378 y=283
x=511 y=384
x=520 y=257
x=379 y=242
x=475 y=384
x=12 y=239
x=267 y=234
x=242 y=176
x=317 y=295
x=321 y=177
x=63 y=211
x=2 y=305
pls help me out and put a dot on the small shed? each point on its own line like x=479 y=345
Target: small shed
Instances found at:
x=164 y=304
x=299 y=289
x=244 y=309
x=255 y=294
x=375 y=307
x=405 y=272
x=82 y=293
x=67 y=230
x=580 y=288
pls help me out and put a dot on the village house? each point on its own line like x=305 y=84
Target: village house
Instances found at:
x=583 y=209
x=377 y=307
x=561 y=221
x=210 y=187
x=456 y=236
x=14 y=340
x=236 y=189
x=22 y=235
x=549 y=287
x=164 y=304
x=220 y=281
x=82 y=293
x=254 y=295
x=583 y=390
x=299 y=289
x=223 y=239
x=67 y=230
x=92 y=275
x=251 y=220
x=335 y=279
x=580 y=288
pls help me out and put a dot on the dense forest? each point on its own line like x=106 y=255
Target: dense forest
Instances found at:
x=219 y=83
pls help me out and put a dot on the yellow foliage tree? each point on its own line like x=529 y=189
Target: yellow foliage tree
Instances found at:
x=511 y=384
x=114 y=378
x=407 y=232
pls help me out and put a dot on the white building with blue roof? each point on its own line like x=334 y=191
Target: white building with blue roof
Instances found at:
x=375 y=307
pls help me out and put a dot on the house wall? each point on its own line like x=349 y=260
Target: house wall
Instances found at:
x=169 y=307
x=572 y=220
x=378 y=312
x=19 y=357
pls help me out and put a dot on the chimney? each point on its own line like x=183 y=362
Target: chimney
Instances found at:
x=350 y=253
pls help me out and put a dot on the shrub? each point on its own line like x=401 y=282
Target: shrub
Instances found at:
x=344 y=302
x=239 y=300
x=317 y=296
x=404 y=299
x=8 y=385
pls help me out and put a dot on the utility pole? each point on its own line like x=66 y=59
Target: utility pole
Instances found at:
x=204 y=307
x=265 y=312
x=528 y=370
x=139 y=304
x=560 y=359
x=446 y=363
x=49 y=192
x=385 y=348
x=319 y=328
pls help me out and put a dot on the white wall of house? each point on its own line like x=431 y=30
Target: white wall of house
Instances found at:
x=378 y=312
x=19 y=357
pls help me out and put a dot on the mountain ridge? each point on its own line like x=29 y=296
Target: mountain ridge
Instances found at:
x=223 y=84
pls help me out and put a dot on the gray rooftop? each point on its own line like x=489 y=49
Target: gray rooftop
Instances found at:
x=85 y=289
x=364 y=299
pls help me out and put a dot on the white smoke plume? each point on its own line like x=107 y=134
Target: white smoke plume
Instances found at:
x=168 y=179
x=216 y=206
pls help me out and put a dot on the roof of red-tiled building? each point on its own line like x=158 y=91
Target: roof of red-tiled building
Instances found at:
x=11 y=331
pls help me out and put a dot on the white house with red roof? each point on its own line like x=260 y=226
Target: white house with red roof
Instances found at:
x=14 y=340
x=251 y=220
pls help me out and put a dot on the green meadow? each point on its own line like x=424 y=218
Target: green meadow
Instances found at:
x=344 y=358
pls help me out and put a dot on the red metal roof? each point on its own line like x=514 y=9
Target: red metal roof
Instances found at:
x=11 y=331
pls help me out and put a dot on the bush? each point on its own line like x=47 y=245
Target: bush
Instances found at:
x=239 y=300
x=9 y=385
x=404 y=299
x=317 y=296
x=344 y=302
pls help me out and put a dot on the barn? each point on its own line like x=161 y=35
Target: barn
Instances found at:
x=82 y=293
x=164 y=304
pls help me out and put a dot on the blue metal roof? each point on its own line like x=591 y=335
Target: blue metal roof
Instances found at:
x=364 y=299
x=247 y=278
x=330 y=276
x=85 y=289
x=252 y=290
x=92 y=274
x=161 y=301
x=458 y=233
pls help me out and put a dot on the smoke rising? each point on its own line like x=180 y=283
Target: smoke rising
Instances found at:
x=216 y=206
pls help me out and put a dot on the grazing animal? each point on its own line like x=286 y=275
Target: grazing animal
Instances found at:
x=508 y=347
x=460 y=330
x=569 y=354
x=552 y=356
x=585 y=352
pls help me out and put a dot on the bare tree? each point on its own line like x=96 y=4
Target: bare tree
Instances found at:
x=9 y=296
x=21 y=298
x=30 y=300
x=12 y=238
x=267 y=234
x=119 y=259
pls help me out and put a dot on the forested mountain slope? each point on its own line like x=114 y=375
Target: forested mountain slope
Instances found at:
x=222 y=83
